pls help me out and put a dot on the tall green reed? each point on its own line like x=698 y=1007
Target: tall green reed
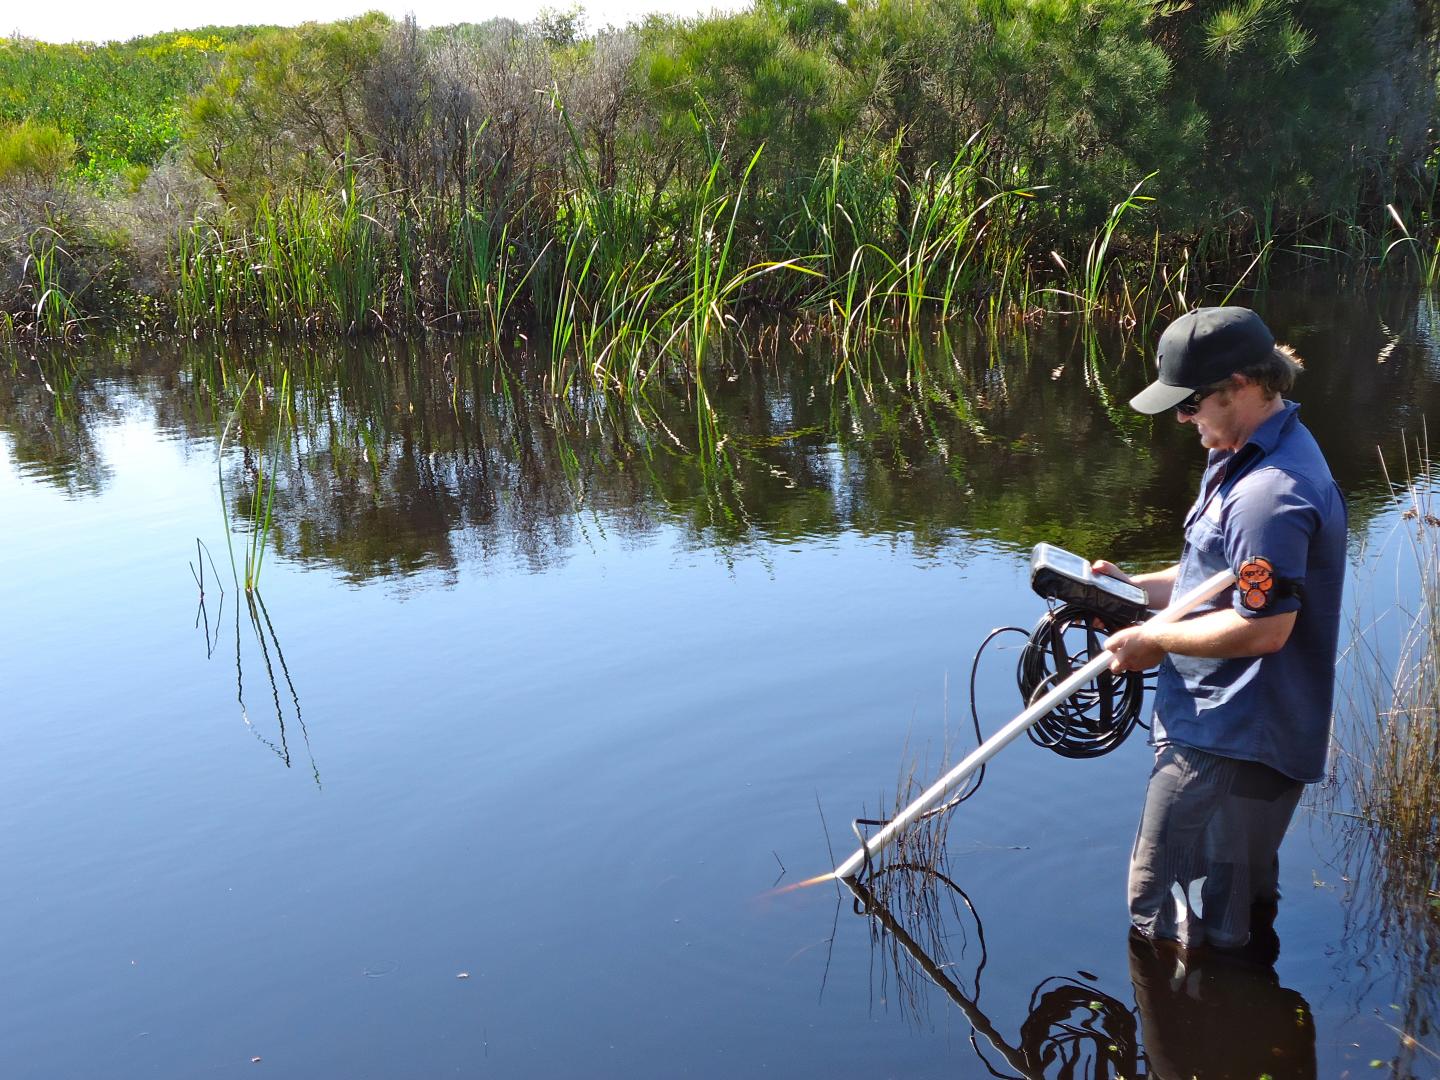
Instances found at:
x=54 y=313
x=621 y=285
x=1392 y=759
x=1388 y=763
x=614 y=284
x=1426 y=256
x=1095 y=275
x=306 y=262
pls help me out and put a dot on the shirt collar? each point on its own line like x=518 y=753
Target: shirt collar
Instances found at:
x=1268 y=435
x=1261 y=443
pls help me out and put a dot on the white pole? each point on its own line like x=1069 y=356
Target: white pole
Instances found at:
x=1206 y=590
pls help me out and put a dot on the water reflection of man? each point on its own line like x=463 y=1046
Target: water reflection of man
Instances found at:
x=1242 y=704
x=1205 y=1015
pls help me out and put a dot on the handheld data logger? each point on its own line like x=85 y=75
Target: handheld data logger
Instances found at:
x=1057 y=574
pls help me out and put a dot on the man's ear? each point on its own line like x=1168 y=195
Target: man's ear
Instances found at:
x=1239 y=382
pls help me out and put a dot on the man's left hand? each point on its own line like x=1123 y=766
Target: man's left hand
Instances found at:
x=1133 y=650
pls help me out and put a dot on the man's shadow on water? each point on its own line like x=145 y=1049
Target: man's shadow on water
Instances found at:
x=1201 y=1014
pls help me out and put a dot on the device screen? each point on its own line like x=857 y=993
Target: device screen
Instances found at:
x=1078 y=569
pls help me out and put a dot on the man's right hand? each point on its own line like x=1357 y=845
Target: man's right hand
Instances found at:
x=1133 y=650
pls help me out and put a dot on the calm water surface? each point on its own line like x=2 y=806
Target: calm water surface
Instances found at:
x=541 y=703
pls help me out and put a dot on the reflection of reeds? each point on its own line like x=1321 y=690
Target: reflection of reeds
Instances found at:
x=1390 y=764
x=916 y=908
x=265 y=636
x=269 y=641
x=919 y=851
x=262 y=495
x=197 y=571
x=1071 y=1029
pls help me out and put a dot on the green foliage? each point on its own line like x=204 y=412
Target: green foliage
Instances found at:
x=34 y=151
x=1308 y=107
x=752 y=84
x=282 y=109
x=866 y=162
x=120 y=102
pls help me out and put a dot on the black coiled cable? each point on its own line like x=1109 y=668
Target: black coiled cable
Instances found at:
x=1102 y=713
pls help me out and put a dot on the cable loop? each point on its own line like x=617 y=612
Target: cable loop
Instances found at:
x=1100 y=715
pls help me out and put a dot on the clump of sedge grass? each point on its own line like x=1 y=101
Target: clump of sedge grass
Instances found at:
x=1393 y=762
x=907 y=875
x=1389 y=766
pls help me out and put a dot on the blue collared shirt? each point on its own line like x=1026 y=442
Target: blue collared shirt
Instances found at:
x=1271 y=513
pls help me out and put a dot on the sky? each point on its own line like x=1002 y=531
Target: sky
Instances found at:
x=117 y=20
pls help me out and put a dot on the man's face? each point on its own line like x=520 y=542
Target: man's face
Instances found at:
x=1215 y=421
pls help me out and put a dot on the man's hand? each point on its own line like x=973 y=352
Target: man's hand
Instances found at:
x=1158 y=585
x=1109 y=569
x=1133 y=650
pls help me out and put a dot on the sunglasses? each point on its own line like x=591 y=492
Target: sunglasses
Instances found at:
x=1191 y=405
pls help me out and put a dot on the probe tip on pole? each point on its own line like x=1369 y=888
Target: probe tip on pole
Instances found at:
x=817 y=880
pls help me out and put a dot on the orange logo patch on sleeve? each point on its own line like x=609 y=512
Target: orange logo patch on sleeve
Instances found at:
x=1256 y=582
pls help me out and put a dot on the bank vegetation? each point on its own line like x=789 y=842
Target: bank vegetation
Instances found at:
x=621 y=196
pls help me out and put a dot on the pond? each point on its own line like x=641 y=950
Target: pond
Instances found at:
x=538 y=706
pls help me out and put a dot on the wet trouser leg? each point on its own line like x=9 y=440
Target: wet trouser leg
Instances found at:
x=1207 y=845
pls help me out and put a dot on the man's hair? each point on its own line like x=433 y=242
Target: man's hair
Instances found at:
x=1276 y=372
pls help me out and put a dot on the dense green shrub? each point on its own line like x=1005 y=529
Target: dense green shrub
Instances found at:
x=120 y=102
x=1309 y=107
x=284 y=108
x=34 y=151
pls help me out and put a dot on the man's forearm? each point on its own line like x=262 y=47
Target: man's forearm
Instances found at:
x=1223 y=634
x=1159 y=586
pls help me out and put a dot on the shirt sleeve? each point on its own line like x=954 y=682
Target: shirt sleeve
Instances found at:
x=1267 y=522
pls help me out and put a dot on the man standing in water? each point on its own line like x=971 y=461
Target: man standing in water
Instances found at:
x=1242 y=706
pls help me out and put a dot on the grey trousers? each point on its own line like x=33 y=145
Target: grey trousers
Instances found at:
x=1207 y=846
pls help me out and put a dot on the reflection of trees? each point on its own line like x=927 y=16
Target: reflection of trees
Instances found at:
x=420 y=455
x=52 y=418
x=1372 y=372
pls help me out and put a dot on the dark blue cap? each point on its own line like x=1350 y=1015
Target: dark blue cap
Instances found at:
x=1203 y=347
